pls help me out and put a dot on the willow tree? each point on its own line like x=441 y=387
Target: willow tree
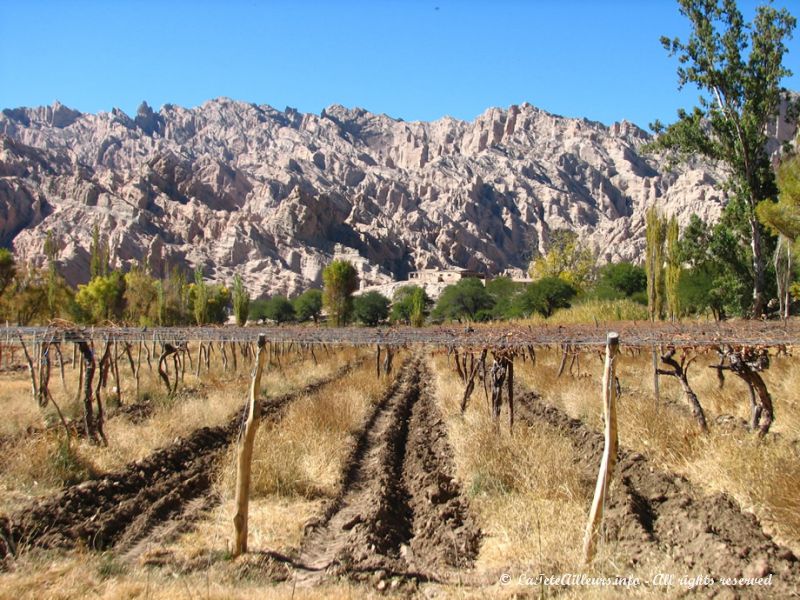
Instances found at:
x=340 y=281
x=737 y=68
x=672 y=269
x=654 y=262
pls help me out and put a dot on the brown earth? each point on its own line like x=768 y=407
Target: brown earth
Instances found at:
x=122 y=508
x=400 y=511
x=651 y=514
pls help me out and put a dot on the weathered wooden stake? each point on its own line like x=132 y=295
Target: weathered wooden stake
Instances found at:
x=656 y=391
x=245 y=454
x=609 y=451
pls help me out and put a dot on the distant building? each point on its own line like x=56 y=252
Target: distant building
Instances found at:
x=448 y=276
x=516 y=274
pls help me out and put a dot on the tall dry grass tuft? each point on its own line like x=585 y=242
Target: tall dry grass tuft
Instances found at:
x=592 y=310
x=297 y=464
x=40 y=464
x=762 y=475
x=528 y=498
x=302 y=455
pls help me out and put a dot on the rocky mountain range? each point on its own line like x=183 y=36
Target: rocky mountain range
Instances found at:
x=274 y=195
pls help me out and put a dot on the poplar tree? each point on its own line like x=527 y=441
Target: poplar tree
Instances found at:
x=340 y=281
x=200 y=298
x=672 y=273
x=737 y=68
x=783 y=218
x=654 y=263
x=241 y=300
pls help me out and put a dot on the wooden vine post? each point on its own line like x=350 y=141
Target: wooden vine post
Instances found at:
x=609 y=450
x=245 y=453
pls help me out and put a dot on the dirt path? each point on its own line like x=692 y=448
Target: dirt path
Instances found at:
x=155 y=494
x=400 y=510
x=651 y=514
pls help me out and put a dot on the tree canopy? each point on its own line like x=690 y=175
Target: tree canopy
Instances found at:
x=308 y=305
x=371 y=308
x=566 y=259
x=738 y=69
x=410 y=305
x=465 y=300
x=340 y=281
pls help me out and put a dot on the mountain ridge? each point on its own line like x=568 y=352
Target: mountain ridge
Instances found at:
x=233 y=187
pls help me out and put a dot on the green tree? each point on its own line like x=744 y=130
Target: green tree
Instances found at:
x=410 y=305
x=241 y=300
x=566 y=259
x=51 y=252
x=98 y=254
x=545 y=296
x=219 y=301
x=737 y=68
x=141 y=296
x=654 y=262
x=504 y=291
x=199 y=297
x=172 y=299
x=308 y=305
x=8 y=269
x=621 y=280
x=278 y=309
x=783 y=219
x=465 y=300
x=672 y=270
x=340 y=281
x=102 y=299
x=715 y=267
x=371 y=308
x=24 y=300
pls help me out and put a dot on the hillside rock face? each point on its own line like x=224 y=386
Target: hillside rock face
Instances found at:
x=234 y=187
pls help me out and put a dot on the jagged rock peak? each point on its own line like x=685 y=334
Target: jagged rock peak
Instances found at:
x=238 y=187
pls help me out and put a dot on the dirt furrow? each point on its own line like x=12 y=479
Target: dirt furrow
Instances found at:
x=651 y=514
x=121 y=508
x=400 y=509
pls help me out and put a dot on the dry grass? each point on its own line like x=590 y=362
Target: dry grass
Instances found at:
x=38 y=465
x=298 y=461
x=763 y=475
x=520 y=487
x=47 y=576
x=529 y=497
x=593 y=311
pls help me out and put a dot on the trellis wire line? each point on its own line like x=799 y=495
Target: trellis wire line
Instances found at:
x=742 y=333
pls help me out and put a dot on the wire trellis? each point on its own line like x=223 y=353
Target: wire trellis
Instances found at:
x=632 y=334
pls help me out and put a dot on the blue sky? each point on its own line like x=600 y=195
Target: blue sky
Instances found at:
x=414 y=59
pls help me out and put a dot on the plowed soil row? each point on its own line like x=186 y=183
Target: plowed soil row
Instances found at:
x=401 y=510
x=122 y=508
x=651 y=514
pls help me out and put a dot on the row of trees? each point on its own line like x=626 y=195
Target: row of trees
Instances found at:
x=737 y=67
x=707 y=268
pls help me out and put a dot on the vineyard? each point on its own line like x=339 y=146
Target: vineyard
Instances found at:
x=452 y=461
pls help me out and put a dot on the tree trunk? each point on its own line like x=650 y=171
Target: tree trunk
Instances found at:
x=758 y=267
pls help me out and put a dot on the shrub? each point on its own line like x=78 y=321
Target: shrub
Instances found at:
x=544 y=296
x=371 y=308
x=463 y=300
